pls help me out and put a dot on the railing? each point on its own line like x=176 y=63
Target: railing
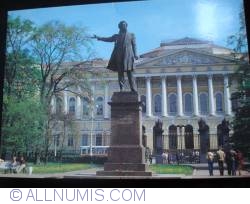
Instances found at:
x=96 y=150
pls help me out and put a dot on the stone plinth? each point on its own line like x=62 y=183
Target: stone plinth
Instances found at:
x=126 y=155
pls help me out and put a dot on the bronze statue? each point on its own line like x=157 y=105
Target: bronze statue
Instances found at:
x=123 y=55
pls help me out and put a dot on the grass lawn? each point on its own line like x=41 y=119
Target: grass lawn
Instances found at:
x=171 y=169
x=67 y=167
x=58 y=167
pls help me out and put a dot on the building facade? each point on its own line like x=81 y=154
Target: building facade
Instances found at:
x=179 y=83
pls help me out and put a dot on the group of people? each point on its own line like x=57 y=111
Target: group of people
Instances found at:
x=232 y=158
x=16 y=165
x=180 y=157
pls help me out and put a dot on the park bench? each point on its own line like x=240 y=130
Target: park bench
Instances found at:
x=7 y=168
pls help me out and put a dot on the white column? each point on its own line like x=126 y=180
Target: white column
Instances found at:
x=149 y=97
x=195 y=96
x=211 y=94
x=164 y=97
x=53 y=105
x=78 y=107
x=179 y=95
x=65 y=98
x=106 y=99
x=227 y=100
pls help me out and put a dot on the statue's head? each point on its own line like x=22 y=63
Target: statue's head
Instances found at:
x=123 y=25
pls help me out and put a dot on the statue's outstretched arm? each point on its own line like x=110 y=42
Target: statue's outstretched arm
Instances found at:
x=106 y=39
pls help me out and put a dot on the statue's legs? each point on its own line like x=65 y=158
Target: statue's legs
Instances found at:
x=131 y=81
x=121 y=79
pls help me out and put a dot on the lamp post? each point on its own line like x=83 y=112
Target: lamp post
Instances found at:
x=55 y=144
x=92 y=124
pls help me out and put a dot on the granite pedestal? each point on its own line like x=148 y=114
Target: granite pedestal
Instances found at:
x=126 y=155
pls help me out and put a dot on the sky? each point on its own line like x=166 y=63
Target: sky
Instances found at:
x=152 y=21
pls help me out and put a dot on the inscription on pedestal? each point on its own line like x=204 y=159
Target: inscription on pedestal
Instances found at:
x=126 y=155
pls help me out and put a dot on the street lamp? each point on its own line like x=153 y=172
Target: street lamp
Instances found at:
x=181 y=138
x=55 y=143
x=92 y=124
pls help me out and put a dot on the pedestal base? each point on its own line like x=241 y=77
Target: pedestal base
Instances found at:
x=126 y=155
x=124 y=169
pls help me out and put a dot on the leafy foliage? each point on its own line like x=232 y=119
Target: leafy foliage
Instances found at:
x=241 y=127
x=41 y=62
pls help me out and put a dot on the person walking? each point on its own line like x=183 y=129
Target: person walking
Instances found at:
x=229 y=163
x=239 y=161
x=164 y=157
x=221 y=158
x=210 y=161
x=233 y=161
x=22 y=165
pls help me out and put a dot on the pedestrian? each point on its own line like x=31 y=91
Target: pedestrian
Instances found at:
x=197 y=156
x=221 y=158
x=177 y=158
x=239 y=161
x=233 y=161
x=22 y=165
x=13 y=165
x=150 y=158
x=229 y=163
x=210 y=161
x=164 y=157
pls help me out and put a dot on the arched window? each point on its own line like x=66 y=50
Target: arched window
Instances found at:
x=172 y=104
x=203 y=103
x=188 y=103
x=143 y=100
x=172 y=131
x=72 y=105
x=99 y=106
x=189 y=137
x=219 y=102
x=157 y=103
x=85 y=106
x=59 y=105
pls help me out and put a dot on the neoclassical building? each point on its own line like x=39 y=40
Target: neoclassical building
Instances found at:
x=179 y=83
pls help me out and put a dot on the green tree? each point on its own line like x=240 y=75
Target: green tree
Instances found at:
x=20 y=89
x=241 y=128
x=19 y=70
x=24 y=127
x=58 y=50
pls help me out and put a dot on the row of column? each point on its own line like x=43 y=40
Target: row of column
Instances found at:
x=227 y=101
x=181 y=142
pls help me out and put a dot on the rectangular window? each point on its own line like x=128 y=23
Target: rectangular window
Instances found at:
x=98 y=140
x=84 y=140
x=70 y=141
x=57 y=139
